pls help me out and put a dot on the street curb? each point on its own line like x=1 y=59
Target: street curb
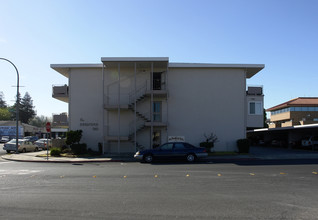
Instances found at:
x=65 y=161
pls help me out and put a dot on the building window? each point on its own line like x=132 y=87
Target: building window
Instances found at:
x=255 y=108
x=157 y=111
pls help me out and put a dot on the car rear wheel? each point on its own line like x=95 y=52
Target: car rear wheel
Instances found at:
x=24 y=150
x=190 y=157
x=148 y=158
x=36 y=149
x=8 y=151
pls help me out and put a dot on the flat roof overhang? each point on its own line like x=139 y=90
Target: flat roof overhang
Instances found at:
x=160 y=62
x=64 y=68
x=135 y=59
x=251 y=69
x=284 y=128
x=142 y=62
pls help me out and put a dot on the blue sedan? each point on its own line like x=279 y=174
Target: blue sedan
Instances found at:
x=181 y=150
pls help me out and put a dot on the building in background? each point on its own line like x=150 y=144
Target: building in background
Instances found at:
x=131 y=103
x=298 y=111
x=255 y=107
x=59 y=125
x=8 y=128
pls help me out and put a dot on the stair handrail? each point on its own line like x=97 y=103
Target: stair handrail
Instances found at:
x=140 y=91
x=139 y=124
x=145 y=115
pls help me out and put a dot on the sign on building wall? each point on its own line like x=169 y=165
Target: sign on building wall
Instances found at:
x=176 y=139
x=10 y=131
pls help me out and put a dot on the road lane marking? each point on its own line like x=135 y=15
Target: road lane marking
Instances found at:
x=19 y=172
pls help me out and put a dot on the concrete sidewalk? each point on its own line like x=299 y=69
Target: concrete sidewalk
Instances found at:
x=34 y=157
x=256 y=153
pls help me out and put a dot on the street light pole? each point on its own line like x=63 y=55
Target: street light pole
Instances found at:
x=17 y=106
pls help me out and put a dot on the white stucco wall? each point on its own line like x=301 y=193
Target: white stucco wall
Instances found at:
x=254 y=121
x=202 y=101
x=86 y=104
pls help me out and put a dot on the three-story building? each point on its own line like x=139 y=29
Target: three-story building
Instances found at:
x=131 y=103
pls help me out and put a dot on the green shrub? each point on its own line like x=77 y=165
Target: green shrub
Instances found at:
x=73 y=137
x=55 y=152
x=207 y=145
x=243 y=145
x=79 y=148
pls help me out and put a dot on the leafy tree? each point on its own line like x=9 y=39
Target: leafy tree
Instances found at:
x=265 y=119
x=73 y=137
x=3 y=103
x=26 y=109
x=39 y=121
x=13 y=108
x=5 y=115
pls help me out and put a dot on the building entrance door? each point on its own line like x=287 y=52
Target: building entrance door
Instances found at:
x=156 y=81
x=156 y=139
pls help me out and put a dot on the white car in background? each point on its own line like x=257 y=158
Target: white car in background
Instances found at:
x=4 y=139
x=23 y=146
x=42 y=143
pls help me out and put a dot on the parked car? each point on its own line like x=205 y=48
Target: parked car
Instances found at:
x=43 y=143
x=176 y=150
x=31 y=138
x=310 y=141
x=23 y=146
x=4 y=139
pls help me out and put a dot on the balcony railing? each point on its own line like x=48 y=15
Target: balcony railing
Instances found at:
x=60 y=92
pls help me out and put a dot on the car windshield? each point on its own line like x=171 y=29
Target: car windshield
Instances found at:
x=14 y=141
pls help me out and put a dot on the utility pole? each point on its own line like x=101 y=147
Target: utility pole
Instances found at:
x=17 y=106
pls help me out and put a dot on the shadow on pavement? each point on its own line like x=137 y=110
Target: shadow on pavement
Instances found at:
x=242 y=162
x=260 y=162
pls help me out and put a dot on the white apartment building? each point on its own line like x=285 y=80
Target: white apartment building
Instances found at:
x=128 y=103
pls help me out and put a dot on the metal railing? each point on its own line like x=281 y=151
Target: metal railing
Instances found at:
x=140 y=91
x=59 y=90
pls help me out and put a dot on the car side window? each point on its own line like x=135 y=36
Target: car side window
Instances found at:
x=188 y=146
x=179 y=146
x=167 y=146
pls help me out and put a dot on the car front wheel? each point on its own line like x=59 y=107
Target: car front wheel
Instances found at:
x=148 y=158
x=190 y=157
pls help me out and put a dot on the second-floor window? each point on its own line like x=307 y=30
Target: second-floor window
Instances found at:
x=157 y=111
x=255 y=108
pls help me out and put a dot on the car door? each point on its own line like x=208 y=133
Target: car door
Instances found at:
x=26 y=145
x=165 y=151
x=179 y=150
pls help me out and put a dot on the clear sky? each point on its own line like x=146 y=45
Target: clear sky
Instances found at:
x=282 y=34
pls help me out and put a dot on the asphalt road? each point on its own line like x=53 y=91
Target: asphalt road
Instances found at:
x=158 y=191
